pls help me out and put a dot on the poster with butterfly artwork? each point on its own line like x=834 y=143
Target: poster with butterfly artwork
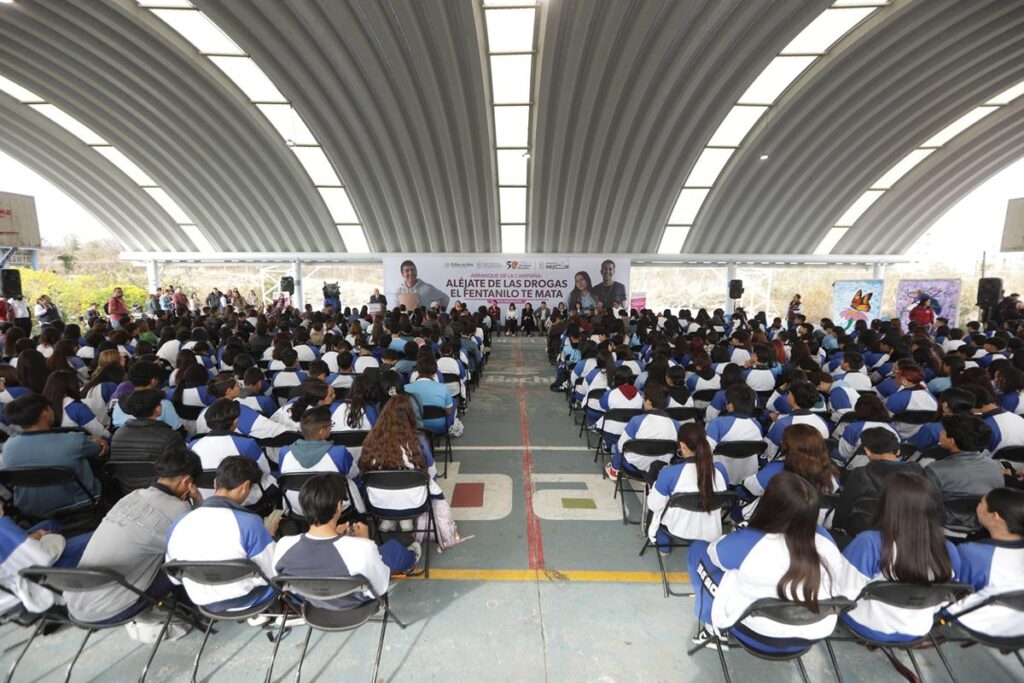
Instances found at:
x=942 y=295
x=854 y=300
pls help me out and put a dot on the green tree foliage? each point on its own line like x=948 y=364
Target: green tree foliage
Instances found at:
x=73 y=293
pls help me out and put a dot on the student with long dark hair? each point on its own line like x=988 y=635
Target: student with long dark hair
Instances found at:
x=64 y=393
x=32 y=370
x=780 y=555
x=308 y=394
x=906 y=545
x=359 y=411
x=993 y=566
x=696 y=473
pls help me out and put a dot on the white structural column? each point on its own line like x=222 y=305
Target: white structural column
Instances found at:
x=153 y=275
x=730 y=275
x=879 y=273
x=297 y=298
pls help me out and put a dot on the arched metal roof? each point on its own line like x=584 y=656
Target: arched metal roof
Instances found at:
x=625 y=96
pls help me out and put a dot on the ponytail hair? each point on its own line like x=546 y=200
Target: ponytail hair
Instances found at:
x=693 y=437
x=312 y=391
x=219 y=385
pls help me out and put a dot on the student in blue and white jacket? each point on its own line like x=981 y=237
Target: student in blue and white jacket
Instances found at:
x=912 y=395
x=653 y=424
x=762 y=371
x=222 y=529
x=696 y=473
x=315 y=452
x=223 y=441
x=703 y=378
x=869 y=414
x=1010 y=382
x=66 y=400
x=250 y=422
x=736 y=424
x=1007 y=428
x=908 y=546
x=750 y=564
x=732 y=376
x=622 y=395
x=842 y=398
x=803 y=396
x=993 y=566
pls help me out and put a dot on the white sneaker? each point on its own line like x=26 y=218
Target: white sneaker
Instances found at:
x=417 y=550
x=406 y=525
x=259 y=620
x=386 y=525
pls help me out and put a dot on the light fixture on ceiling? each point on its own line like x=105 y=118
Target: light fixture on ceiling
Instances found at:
x=526 y=154
x=764 y=157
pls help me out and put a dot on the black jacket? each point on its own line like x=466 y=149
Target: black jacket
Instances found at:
x=859 y=498
x=142 y=439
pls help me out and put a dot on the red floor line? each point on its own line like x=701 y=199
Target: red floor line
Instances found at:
x=534 y=540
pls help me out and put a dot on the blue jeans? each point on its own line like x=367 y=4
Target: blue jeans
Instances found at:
x=397 y=557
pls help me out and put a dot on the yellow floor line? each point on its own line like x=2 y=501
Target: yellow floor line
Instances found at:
x=554 y=575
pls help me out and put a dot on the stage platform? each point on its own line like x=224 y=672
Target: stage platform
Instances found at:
x=550 y=587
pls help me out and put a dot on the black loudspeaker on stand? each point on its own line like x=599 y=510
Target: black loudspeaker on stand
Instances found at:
x=990 y=291
x=288 y=284
x=735 y=289
x=10 y=283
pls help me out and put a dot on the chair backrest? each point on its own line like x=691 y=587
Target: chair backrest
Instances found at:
x=349 y=439
x=705 y=395
x=323 y=588
x=914 y=595
x=131 y=469
x=411 y=487
x=341 y=393
x=434 y=412
x=35 y=477
x=621 y=414
x=279 y=441
x=907 y=451
x=214 y=572
x=740 y=449
x=1012 y=453
x=206 y=479
x=796 y=613
x=691 y=501
x=915 y=417
x=283 y=392
x=595 y=394
x=294 y=481
x=451 y=378
x=828 y=501
x=685 y=414
x=962 y=505
x=60 y=579
x=651 y=447
x=188 y=412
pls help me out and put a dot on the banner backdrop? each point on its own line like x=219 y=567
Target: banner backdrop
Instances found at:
x=944 y=295
x=854 y=300
x=476 y=281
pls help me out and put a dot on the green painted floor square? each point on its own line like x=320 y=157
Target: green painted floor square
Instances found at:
x=579 y=504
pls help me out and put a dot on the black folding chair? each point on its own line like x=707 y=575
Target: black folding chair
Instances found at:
x=1013 y=600
x=664 y=449
x=704 y=396
x=438 y=413
x=691 y=502
x=132 y=474
x=280 y=441
x=911 y=418
x=219 y=573
x=86 y=579
x=783 y=612
x=623 y=415
x=416 y=485
x=450 y=378
x=741 y=450
x=283 y=394
x=292 y=483
x=186 y=412
x=686 y=414
x=908 y=596
x=962 y=507
x=334 y=619
x=349 y=439
x=1011 y=453
x=73 y=520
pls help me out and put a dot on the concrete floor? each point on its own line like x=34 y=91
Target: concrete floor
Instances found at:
x=559 y=594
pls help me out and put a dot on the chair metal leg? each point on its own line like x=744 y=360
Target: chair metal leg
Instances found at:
x=942 y=656
x=664 y=574
x=74 y=660
x=1019 y=658
x=202 y=646
x=28 y=644
x=302 y=656
x=277 y=644
x=380 y=646
x=917 y=668
x=803 y=669
x=156 y=645
x=394 y=618
x=835 y=662
x=721 y=659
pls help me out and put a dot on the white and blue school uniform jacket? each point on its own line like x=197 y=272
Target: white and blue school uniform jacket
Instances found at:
x=168 y=351
x=760 y=378
x=217 y=445
x=652 y=425
x=1012 y=402
x=887 y=387
x=717 y=405
x=403 y=500
x=1007 y=429
x=18 y=551
x=986 y=360
x=734 y=427
x=331 y=358
x=754 y=562
x=361 y=363
x=842 y=398
x=910 y=399
x=221 y=530
x=250 y=423
x=306 y=352
x=339 y=415
x=615 y=399
x=447 y=365
x=850 y=441
x=926 y=437
x=77 y=414
x=98 y=398
x=797 y=417
x=695 y=383
x=991 y=568
x=682 y=478
x=264 y=405
x=738 y=355
x=8 y=394
x=858 y=381
x=595 y=379
x=288 y=378
x=335 y=459
x=872 y=618
x=758 y=482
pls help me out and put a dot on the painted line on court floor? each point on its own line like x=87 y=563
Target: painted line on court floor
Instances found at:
x=534 y=541
x=520 y=447
x=552 y=575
